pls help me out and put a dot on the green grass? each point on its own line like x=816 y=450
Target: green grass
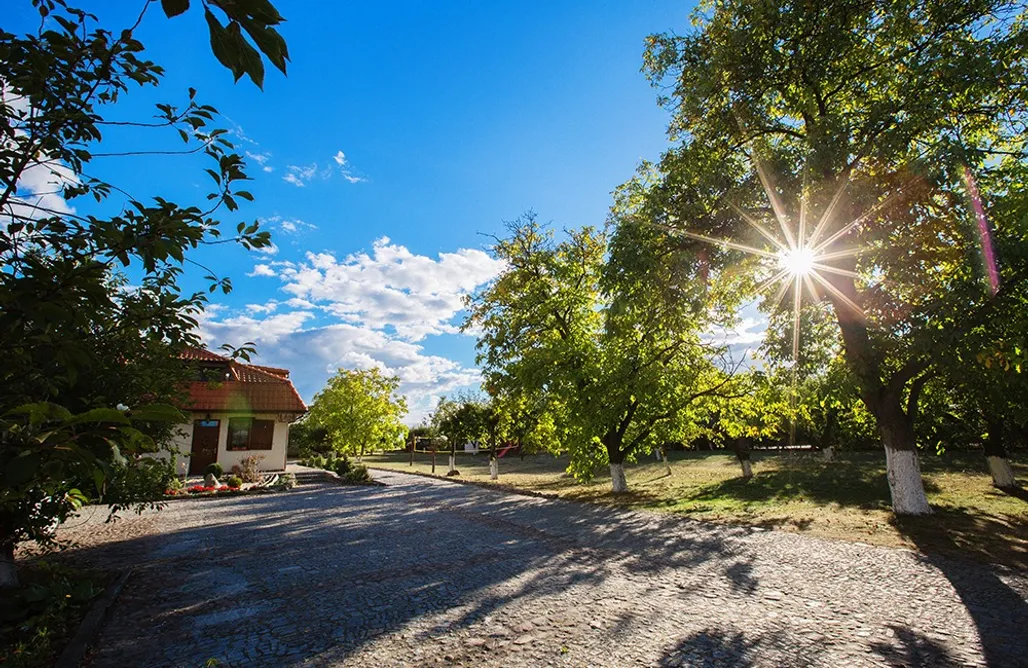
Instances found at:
x=39 y=618
x=846 y=499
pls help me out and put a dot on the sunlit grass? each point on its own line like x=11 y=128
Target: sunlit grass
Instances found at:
x=847 y=499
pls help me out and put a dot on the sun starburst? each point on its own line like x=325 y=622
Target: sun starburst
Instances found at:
x=797 y=260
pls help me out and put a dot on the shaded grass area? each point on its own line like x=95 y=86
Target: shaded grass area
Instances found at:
x=846 y=499
x=39 y=618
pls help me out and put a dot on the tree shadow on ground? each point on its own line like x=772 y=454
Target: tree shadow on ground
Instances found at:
x=999 y=612
x=739 y=649
x=315 y=574
x=910 y=648
x=842 y=484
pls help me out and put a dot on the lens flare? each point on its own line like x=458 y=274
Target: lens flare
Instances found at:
x=798 y=261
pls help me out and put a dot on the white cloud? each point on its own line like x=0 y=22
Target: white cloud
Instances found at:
x=40 y=188
x=260 y=158
x=268 y=250
x=268 y=168
x=312 y=355
x=301 y=175
x=295 y=226
x=262 y=270
x=340 y=158
x=414 y=294
x=374 y=309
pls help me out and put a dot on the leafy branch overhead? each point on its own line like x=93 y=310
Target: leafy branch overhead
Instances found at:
x=257 y=19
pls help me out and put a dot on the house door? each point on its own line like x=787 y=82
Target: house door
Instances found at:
x=205 y=445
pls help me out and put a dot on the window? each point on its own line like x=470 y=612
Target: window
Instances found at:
x=250 y=434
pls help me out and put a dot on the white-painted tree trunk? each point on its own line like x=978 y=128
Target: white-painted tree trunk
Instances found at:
x=1002 y=473
x=828 y=454
x=905 y=484
x=453 y=464
x=618 y=483
x=747 y=469
x=494 y=469
x=656 y=453
x=8 y=575
x=667 y=464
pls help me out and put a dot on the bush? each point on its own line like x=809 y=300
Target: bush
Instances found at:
x=235 y=482
x=36 y=617
x=215 y=469
x=139 y=481
x=350 y=473
x=250 y=468
x=285 y=481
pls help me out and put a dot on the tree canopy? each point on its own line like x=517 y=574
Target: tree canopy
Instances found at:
x=78 y=341
x=619 y=355
x=359 y=411
x=875 y=136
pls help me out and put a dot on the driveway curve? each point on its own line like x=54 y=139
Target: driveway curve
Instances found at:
x=427 y=572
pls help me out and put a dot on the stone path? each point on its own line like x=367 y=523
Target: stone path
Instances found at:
x=426 y=572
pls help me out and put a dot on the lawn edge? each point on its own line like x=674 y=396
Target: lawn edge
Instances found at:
x=91 y=625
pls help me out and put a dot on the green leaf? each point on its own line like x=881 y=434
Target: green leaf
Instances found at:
x=100 y=415
x=174 y=7
x=22 y=468
x=158 y=413
x=221 y=45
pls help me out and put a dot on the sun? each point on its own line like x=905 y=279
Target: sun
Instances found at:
x=797 y=261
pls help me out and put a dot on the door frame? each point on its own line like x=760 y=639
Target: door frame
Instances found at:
x=194 y=469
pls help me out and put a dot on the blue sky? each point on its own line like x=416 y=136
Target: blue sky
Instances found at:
x=403 y=134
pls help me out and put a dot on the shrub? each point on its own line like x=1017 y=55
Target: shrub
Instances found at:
x=343 y=467
x=215 y=469
x=141 y=480
x=285 y=481
x=250 y=468
x=235 y=482
x=350 y=473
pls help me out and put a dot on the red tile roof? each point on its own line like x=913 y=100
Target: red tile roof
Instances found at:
x=201 y=355
x=249 y=388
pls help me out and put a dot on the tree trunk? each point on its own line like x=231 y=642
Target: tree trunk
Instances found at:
x=618 y=483
x=8 y=574
x=828 y=454
x=996 y=456
x=883 y=400
x=742 y=453
x=667 y=464
x=494 y=467
x=901 y=464
x=360 y=454
x=612 y=442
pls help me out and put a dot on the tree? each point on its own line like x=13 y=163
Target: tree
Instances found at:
x=621 y=355
x=77 y=341
x=358 y=411
x=892 y=129
x=461 y=420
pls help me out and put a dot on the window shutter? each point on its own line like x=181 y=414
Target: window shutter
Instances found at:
x=262 y=434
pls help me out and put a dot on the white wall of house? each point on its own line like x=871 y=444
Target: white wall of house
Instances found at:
x=274 y=459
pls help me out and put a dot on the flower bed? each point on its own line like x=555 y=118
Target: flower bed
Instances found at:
x=207 y=490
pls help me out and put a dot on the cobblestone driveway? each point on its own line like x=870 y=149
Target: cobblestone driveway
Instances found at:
x=425 y=572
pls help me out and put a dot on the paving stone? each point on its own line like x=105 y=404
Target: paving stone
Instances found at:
x=426 y=572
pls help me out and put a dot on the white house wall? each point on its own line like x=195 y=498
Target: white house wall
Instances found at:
x=274 y=459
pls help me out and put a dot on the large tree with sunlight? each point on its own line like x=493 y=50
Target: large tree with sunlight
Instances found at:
x=865 y=154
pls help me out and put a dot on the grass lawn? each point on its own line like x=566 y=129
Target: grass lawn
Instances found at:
x=846 y=499
x=40 y=617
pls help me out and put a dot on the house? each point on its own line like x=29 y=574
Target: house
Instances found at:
x=236 y=410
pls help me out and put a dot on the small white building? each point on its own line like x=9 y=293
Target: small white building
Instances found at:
x=237 y=410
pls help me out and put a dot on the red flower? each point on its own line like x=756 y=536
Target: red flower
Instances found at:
x=224 y=488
